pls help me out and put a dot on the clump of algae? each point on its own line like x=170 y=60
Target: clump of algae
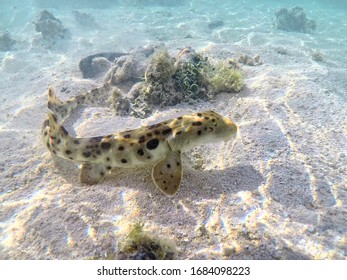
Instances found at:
x=144 y=245
x=160 y=68
x=226 y=78
x=190 y=77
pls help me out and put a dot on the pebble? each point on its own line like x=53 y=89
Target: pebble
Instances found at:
x=228 y=251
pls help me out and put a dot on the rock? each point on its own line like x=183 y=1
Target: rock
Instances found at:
x=154 y=2
x=6 y=42
x=85 y=20
x=228 y=251
x=121 y=105
x=101 y=64
x=250 y=61
x=294 y=20
x=51 y=28
x=216 y=23
x=91 y=68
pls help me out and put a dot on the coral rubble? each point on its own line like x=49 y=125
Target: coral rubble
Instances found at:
x=294 y=20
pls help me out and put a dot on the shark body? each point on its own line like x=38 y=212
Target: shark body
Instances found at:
x=160 y=145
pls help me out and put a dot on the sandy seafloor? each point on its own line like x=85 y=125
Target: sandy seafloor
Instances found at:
x=279 y=191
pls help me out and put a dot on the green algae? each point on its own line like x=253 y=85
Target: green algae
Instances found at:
x=144 y=245
x=226 y=78
x=160 y=68
x=190 y=78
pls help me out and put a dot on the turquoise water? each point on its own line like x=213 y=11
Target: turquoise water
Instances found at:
x=278 y=191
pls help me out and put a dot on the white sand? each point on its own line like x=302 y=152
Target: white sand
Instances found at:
x=278 y=191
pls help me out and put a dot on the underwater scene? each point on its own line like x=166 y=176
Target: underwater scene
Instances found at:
x=177 y=129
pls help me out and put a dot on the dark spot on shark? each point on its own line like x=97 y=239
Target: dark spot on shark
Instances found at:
x=167 y=131
x=154 y=126
x=105 y=145
x=197 y=123
x=64 y=131
x=152 y=144
x=96 y=139
x=87 y=154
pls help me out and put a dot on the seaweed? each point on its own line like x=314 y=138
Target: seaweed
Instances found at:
x=189 y=78
x=160 y=68
x=226 y=78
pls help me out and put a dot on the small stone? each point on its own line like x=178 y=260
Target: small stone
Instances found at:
x=310 y=229
x=201 y=230
x=228 y=251
x=216 y=23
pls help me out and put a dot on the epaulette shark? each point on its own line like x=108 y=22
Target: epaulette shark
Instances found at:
x=159 y=144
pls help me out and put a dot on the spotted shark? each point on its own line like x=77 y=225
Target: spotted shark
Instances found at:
x=160 y=144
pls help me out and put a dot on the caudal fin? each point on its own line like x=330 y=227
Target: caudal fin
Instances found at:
x=60 y=109
x=56 y=137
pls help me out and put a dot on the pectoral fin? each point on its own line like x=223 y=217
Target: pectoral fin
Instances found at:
x=92 y=173
x=167 y=173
